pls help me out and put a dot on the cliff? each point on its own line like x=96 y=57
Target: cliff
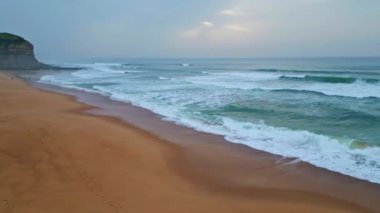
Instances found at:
x=18 y=53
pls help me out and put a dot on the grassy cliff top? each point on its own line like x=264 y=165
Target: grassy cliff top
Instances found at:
x=9 y=38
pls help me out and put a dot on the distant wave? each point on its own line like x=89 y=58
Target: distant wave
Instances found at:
x=163 y=78
x=330 y=92
x=272 y=82
x=337 y=113
x=310 y=92
x=319 y=71
x=268 y=70
x=331 y=79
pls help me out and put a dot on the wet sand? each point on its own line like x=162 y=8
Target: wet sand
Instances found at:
x=59 y=155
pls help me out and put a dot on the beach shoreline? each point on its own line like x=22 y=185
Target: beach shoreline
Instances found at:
x=207 y=169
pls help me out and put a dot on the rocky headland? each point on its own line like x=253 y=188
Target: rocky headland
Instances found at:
x=16 y=53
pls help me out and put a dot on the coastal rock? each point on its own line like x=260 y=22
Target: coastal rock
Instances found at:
x=17 y=53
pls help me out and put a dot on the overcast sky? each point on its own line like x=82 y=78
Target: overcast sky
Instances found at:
x=79 y=29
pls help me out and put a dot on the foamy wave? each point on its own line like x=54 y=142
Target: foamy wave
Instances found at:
x=319 y=150
x=109 y=68
x=115 y=68
x=270 y=81
x=52 y=79
x=163 y=78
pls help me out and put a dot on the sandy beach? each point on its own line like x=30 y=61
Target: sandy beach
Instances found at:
x=59 y=155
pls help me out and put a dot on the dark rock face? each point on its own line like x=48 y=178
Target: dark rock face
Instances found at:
x=17 y=53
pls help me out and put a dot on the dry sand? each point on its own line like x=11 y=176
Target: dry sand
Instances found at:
x=55 y=158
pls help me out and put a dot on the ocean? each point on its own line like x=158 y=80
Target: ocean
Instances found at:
x=324 y=111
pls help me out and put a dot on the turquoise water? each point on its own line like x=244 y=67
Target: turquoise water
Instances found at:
x=322 y=111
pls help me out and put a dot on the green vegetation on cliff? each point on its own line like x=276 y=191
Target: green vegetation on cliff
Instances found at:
x=7 y=38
